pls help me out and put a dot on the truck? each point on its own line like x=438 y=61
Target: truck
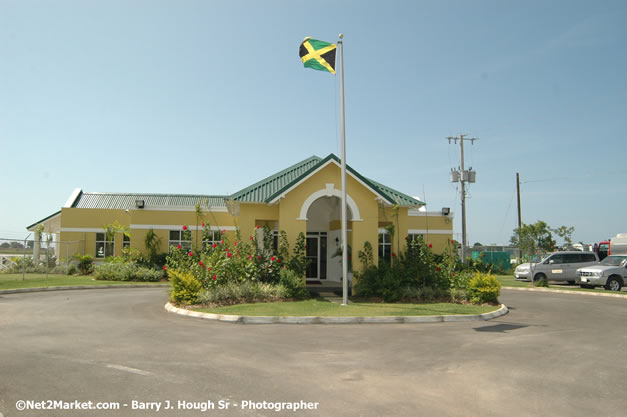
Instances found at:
x=611 y=272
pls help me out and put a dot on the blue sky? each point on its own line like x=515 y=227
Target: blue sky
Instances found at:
x=209 y=97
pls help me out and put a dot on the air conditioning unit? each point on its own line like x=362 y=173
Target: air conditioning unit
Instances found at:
x=139 y=204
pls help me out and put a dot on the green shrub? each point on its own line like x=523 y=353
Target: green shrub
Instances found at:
x=143 y=274
x=458 y=295
x=294 y=284
x=115 y=271
x=185 y=288
x=483 y=288
x=85 y=264
x=247 y=291
x=541 y=283
x=72 y=269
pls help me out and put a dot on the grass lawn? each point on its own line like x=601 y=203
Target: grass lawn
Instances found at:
x=13 y=281
x=317 y=307
x=509 y=281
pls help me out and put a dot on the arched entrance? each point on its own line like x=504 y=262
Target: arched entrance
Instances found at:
x=323 y=239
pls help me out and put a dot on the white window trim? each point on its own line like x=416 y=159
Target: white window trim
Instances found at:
x=104 y=241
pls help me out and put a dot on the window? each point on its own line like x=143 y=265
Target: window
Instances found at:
x=211 y=237
x=176 y=238
x=414 y=236
x=556 y=259
x=588 y=257
x=385 y=247
x=126 y=242
x=103 y=248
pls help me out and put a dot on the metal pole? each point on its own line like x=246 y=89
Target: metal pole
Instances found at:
x=464 y=243
x=344 y=225
x=24 y=257
x=519 y=217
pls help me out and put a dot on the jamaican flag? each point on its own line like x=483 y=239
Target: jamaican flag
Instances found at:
x=318 y=55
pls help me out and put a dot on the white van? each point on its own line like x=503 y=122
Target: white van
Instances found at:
x=557 y=266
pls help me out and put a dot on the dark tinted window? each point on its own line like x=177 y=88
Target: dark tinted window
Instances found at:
x=556 y=259
x=588 y=257
x=571 y=258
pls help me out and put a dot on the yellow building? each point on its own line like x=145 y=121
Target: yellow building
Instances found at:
x=302 y=198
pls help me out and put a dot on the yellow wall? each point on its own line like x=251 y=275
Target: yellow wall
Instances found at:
x=365 y=230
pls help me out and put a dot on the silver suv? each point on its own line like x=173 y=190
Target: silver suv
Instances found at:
x=610 y=273
x=557 y=266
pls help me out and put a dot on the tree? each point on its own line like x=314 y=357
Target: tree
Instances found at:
x=111 y=230
x=566 y=233
x=533 y=238
x=5 y=245
x=477 y=244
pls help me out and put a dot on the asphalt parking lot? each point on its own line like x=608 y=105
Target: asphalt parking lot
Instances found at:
x=551 y=355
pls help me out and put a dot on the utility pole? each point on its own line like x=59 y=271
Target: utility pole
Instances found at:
x=462 y=175
x=519 y=217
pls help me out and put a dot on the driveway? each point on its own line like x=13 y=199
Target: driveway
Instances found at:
x=551 y=355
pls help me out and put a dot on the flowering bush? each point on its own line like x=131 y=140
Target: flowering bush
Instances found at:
x=219 y=263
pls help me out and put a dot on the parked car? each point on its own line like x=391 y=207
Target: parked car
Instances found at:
x=557 y=266
x=610 y=273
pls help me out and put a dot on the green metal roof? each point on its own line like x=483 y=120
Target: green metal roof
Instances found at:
x=271 y=187
x=260 y=191
x=127 y=200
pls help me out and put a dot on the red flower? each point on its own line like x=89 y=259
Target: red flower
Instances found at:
x=165 y=267
x=259 y=257
x=200 y=263
x=251 y=238
x=437 y=268
x=273 y=258
x=214 y=245
x=430 y=245
x=203 y=224
x=184 y=227
x=190 y=254
x=227 y=249
x=235 y=244
x=229 y=254
x=222 y=242
x=250 y=257
x=453 y=273
x=393 y=255
x=483 y=255
x=452 y=241
x=278 y=260
x=215 y=277
x=208 y=268
x=178 y=246
x=224 y=231
x=257 y=227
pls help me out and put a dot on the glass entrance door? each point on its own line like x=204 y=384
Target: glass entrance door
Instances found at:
x=316 y=252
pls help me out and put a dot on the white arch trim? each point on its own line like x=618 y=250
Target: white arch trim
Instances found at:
x=330 y=191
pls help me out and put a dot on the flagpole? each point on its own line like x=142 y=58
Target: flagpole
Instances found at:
x=343 y=156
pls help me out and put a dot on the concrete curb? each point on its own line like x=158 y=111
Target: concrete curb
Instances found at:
x=81 y=287
x=549 y=290
x=503 y=310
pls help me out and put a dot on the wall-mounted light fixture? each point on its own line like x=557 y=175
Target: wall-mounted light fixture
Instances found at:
x=446 y=211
